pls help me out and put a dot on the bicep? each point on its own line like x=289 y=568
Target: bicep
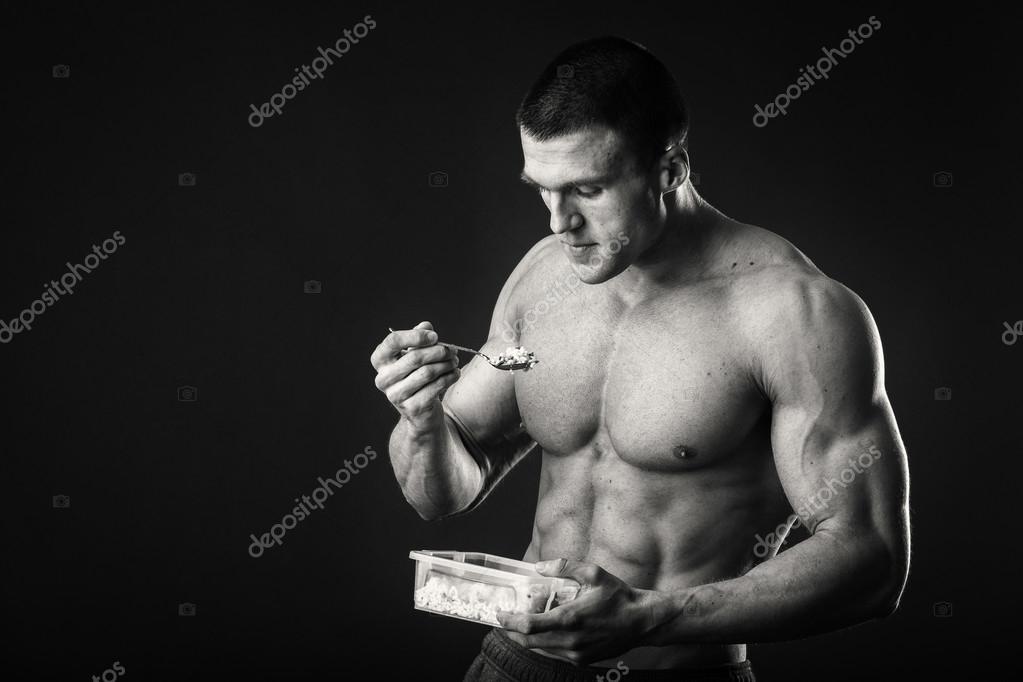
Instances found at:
x=837 y=448
x=482 y=403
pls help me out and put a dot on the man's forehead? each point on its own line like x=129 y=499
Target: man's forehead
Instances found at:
x=593 y=150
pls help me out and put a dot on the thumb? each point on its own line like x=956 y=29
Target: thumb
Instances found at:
x=583 y=571
x=423 y=325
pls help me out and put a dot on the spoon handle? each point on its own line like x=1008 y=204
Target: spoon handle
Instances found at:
x=448 y=345
x=451 y=345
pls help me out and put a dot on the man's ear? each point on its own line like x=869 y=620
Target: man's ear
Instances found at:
x=674 y=168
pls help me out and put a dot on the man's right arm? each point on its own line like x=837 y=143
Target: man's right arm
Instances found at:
x=449 y=451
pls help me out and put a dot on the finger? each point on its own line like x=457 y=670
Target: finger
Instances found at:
x=527 y=641
x=421 y=325
x=516 y=637
x=401 y=391
x=397 y=369
x=583 y=571
x=417 y=357
x=391 y=348
x=543 y=640
x=400 y=339
x=425 y=397
x=560 y=619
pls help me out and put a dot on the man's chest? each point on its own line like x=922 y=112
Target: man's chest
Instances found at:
x=664 y=386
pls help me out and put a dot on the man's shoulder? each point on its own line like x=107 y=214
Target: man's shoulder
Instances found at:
x=767 y=271
x=762 y=254
x=538 y=270
x=789 y=299
x=543 y=255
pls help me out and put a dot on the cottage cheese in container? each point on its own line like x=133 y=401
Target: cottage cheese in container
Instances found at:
x=475 y=586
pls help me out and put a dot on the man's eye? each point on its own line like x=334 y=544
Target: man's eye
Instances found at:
x=587 y=191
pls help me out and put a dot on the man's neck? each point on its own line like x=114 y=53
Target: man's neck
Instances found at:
x=679 y=254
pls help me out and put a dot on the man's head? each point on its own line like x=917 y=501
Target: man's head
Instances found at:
x=603 y=134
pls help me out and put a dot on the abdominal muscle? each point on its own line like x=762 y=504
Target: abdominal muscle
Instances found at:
x=654 y=530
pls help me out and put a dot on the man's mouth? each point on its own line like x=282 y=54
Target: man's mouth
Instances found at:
x=578 y=248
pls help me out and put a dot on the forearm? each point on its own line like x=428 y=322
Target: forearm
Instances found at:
x=824 y=583
x=438 y=477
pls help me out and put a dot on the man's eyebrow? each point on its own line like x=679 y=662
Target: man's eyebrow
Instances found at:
x=598 y=180
x=528 y=180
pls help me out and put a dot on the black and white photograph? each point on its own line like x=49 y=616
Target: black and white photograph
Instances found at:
x=529 y=342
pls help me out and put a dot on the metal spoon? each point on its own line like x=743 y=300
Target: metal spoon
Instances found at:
x=498 y=365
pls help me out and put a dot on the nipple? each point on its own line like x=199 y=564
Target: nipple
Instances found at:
x=684 y=452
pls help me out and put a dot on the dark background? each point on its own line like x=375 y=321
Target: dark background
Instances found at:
x=208 y=292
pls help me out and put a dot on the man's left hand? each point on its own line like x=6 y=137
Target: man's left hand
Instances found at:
x=607 y=618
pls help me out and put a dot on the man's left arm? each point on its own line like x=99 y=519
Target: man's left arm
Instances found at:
x=843 y=467
x=842 y=464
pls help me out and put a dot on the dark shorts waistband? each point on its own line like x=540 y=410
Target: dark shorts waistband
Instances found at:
x=520 y=664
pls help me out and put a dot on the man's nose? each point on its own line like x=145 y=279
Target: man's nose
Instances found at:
x=563 y=214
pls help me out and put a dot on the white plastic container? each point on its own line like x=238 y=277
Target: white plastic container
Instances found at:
x=475 y=586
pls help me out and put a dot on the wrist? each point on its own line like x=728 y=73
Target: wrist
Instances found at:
x=660 y=610
x=652 y=613
x=424 y=425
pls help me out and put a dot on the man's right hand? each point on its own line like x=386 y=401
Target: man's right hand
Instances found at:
x=415 y=382
x=448 y=456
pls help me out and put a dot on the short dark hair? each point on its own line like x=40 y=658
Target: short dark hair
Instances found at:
x=608 y=81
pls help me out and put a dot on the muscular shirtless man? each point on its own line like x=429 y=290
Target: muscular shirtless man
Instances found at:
x=700 y=380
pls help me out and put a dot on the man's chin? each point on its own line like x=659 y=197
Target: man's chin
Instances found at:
x=588 y=274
